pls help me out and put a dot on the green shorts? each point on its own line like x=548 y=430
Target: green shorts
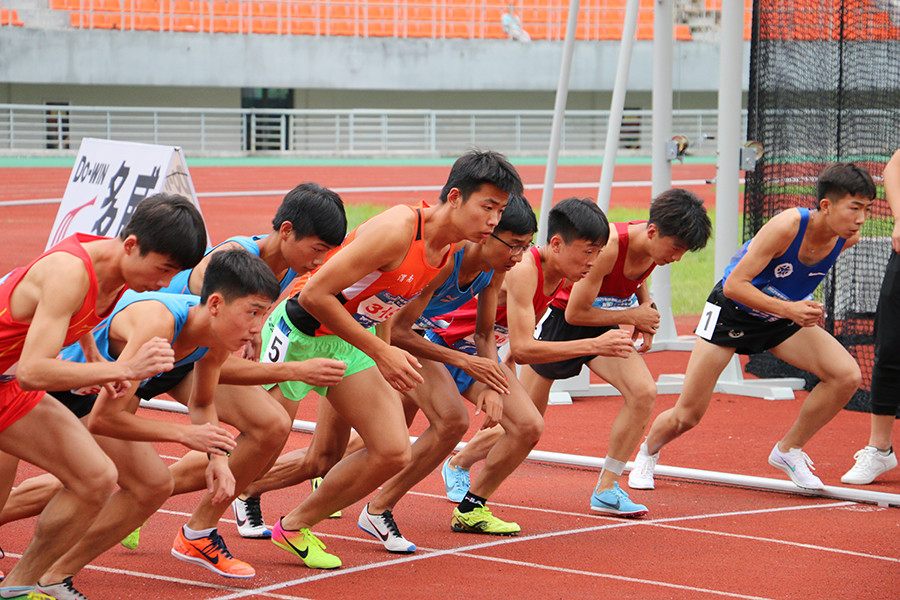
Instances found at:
x=281 y=341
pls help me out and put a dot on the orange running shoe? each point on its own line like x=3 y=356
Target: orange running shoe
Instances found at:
x=211 y=553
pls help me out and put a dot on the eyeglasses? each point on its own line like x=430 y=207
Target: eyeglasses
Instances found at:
x=513 y=250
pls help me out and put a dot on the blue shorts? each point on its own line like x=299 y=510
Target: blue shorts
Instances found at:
x=462 y=379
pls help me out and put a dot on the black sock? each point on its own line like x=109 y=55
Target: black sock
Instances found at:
x=471 y=502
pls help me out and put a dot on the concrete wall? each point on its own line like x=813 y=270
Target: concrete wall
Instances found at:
x=146 y=68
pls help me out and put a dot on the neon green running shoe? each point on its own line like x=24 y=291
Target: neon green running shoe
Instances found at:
x=315 y=482
x=305 y=545
x=481 y=520
x=133 y=539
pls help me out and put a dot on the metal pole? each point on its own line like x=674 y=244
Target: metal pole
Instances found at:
x=578 y=460
x=617 y=104
x=661 y=179
x=559 y=108
x=729 y=134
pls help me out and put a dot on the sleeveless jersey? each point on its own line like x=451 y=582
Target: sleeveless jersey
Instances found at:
x=12 y=332
x=617 y=292
x=460 y=333
x=377 y=296
x=179 y=283
x=449 y=296
x=785 y=277
x=178 y=304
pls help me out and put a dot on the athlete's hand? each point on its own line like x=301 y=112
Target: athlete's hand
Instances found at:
x=488 y=371
x=805 y=313
x=219 y=480
x=646 y=340
x=154 y=357
x=251 y=349
x=615 y=343
x=492 y=403
x=645 y=317
x=399 y=368
x=208 y=438
x=320 y=372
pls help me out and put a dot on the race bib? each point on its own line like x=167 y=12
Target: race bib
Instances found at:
x=708 y=320
x=276 y=349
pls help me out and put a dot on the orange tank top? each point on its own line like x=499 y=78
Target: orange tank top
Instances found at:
x=12 y=332
x=377 y=296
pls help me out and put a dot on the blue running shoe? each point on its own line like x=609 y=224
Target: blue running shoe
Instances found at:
x=616 y=502
x=456 y=481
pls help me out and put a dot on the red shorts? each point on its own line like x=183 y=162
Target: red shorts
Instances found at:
x=15 y=403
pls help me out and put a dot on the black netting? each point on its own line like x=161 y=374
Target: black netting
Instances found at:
x=825 y=87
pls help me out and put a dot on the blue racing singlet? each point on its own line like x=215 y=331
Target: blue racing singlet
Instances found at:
x=449 y=296
x=179 y=283
x=785 y=277
x=178 y=305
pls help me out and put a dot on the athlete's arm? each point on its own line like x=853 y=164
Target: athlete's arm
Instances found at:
x=219 y=479
x=580 y=309
x=50 y=294
x=114 y=417
x=379 y=246
x=320 y=372
x=773 y=239
x=521 y=283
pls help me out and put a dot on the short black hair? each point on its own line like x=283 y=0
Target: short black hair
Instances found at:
x=578 y=219
x=168 y=224
x=313 y=210
x=236 y=273
x=475 y=168
x=518 y=217
x=679 y=213
x=844 y=179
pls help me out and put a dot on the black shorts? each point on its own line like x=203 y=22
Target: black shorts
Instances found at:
x=81 y=404
x=738 y=329
x=555 y=328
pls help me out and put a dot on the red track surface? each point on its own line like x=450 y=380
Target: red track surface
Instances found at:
x=698 y=541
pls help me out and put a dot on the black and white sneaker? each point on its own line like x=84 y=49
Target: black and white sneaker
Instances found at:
x=248 y=516
x=383 y=528
x=63 y=590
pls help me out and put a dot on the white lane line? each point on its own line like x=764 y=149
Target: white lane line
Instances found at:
x=389 y=189
x=519 y=539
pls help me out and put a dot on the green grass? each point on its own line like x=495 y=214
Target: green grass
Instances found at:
x=692 y=276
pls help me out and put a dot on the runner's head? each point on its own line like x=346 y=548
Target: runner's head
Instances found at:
x=512 y=236
x=476 y=168
x=845 y=194
x=170 y=225
x=678 y=223
x=576 y=231
x=310 y=221
x=236 y=273
x=165 y=235
x=238 y=289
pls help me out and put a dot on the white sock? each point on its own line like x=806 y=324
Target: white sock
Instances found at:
x=613 y=465
x=196 y=534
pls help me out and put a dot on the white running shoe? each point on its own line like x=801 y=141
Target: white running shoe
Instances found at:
x=249 y=519
x=797 y=465
x=61 y=591
x=870 y=463
x=383 y=528
x=641 y=476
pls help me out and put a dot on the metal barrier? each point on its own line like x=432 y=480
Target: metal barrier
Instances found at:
x=41 y=129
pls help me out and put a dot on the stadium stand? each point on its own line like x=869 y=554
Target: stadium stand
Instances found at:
x=464 y=19
x=10 y=18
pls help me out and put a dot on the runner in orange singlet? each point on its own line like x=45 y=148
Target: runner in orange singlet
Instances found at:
x=383 y=265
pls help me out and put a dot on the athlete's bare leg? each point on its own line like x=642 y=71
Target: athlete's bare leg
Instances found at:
x=144 y=485
x=51 y=438
x=381 y=424
x=448 y=421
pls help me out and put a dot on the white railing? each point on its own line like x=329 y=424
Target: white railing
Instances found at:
x=37 y=129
